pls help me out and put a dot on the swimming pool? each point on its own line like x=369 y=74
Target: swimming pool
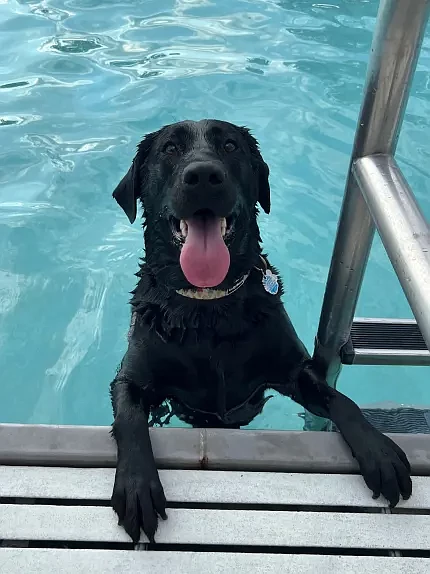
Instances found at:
x=81 y=81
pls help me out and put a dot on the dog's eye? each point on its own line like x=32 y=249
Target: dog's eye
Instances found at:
x=230 y=146
x=170 y=148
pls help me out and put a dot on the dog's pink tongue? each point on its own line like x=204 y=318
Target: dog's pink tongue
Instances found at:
x=205 y=258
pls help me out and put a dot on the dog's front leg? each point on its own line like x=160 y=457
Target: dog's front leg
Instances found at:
x=383 y=464
x=138 y=496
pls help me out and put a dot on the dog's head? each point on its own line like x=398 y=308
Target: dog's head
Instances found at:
x=199 y=184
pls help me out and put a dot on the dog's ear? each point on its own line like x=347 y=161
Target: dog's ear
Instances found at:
x=262 y=170
x=128 y=191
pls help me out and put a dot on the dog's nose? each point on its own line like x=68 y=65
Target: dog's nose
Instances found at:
x=203 y=173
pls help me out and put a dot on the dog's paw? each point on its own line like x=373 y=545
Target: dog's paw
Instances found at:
x=138 y=499
x=384 y=466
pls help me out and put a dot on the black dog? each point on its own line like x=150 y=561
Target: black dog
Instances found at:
x=209 y=331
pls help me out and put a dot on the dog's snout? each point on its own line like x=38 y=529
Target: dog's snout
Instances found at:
x=203 y=184
x=203 y=173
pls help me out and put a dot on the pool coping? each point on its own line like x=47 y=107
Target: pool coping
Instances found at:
x=215 y=449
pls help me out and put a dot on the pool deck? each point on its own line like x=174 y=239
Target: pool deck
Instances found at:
x=239 y=501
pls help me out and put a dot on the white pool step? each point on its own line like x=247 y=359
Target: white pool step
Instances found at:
x=210 y=487
x=38 y=561
x=58 y=519
x=19 y=561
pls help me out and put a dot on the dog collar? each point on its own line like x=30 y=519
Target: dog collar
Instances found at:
x=270 y=284
x=208 y=294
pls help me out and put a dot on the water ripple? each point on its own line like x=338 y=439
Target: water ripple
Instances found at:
x=83 y=45
x=18 y=120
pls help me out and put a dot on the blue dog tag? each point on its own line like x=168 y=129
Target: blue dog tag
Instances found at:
x=270 y=282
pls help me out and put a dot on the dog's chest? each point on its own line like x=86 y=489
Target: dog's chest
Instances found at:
x=226 y=381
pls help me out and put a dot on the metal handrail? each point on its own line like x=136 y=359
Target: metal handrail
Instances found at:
x=403 y=229
x=395 y=49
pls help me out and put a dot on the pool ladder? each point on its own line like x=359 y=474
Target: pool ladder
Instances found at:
x=377 y=196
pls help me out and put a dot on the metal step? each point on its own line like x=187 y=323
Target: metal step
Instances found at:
x=385 y=342
x=406 y=420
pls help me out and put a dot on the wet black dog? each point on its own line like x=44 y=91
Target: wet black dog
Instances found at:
x=209 y=331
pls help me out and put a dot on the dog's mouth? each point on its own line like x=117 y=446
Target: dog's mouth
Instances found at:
x=205 y=258
x=180 y=226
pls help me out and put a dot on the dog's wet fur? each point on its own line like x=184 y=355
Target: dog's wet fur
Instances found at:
x=214 y=359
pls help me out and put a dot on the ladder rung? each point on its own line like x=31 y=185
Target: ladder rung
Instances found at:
x=385 y=342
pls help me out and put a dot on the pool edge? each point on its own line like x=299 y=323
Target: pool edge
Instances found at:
x=216 y=449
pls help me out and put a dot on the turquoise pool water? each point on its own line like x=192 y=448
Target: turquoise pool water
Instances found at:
x=81 y=81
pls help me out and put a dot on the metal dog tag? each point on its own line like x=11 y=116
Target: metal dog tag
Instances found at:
x=270 y=282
